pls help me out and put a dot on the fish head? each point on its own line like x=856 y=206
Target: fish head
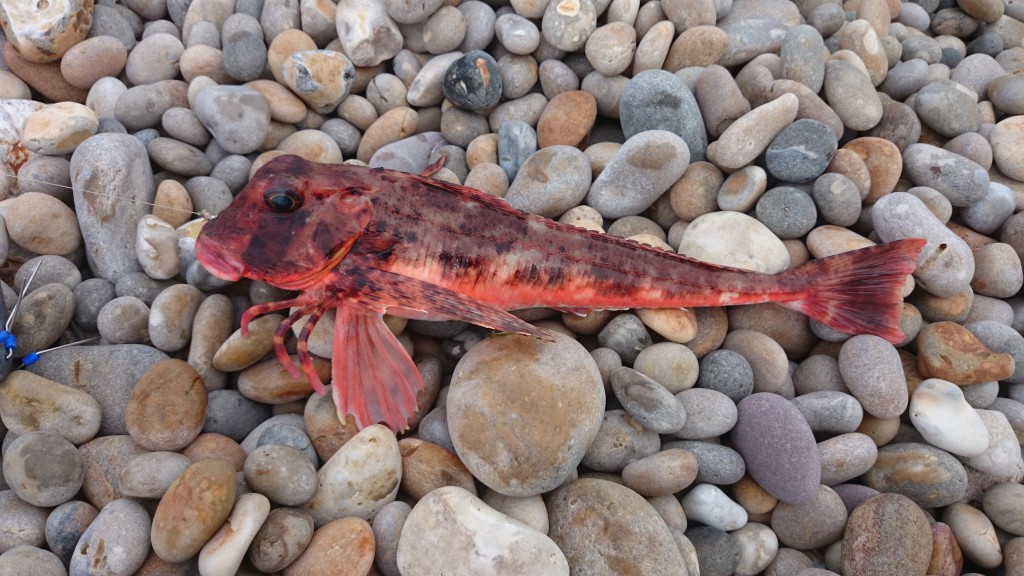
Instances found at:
x=289 y=226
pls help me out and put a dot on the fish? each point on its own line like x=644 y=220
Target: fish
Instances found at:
x=369 y=241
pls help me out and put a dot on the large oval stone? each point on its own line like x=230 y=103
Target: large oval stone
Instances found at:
x=887 y=534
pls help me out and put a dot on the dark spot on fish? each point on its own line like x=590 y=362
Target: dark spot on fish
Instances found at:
x=501 y=248
x=556 y=276
x=381 y=227
x=409 y=237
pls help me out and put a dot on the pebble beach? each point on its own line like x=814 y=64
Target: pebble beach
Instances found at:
x=746 y=440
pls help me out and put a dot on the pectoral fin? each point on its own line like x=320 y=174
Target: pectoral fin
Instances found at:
x=380 y=289
x=373 y=377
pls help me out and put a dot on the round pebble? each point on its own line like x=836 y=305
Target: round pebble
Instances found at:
x=284 y=535
x=43 y=469
x=281 y=473
x=167 y=406
x=116 y=539
x=180 y=526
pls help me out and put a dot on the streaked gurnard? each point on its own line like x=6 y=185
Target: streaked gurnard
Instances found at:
x=370 y=241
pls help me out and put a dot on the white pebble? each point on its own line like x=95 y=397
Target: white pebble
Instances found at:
x=707 y=504
x=940 y=413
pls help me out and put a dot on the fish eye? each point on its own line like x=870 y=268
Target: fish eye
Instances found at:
x=282 y=201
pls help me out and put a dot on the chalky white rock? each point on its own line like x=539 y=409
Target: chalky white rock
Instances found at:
x=940 y=413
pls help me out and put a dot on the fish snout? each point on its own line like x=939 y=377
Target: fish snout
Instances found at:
x=218 y=261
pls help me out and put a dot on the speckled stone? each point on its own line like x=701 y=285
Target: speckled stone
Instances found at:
x=928 y=476
x=887 y=534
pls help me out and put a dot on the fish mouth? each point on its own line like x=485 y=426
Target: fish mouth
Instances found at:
x=219 y=263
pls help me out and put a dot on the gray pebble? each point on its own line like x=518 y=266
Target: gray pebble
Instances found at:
x=124 y=320
x=178 y=157
x=90 y=297
x=648 y=402
x=626 y=335
x=143 y=106
x=245 y=52
x=788 y=212
x=284 y=535
x=234 y=170
x=948 y=108
x=988 y=214
x=982 y=395
x=281 y=473
x=619 y=441
x=659 y=100
x=434 y=428
x=517 y=141
x=717 y=553
x=937 y=203
x=802 y=57
x=801 y=152
x=43 y=316
x=818 y=372
x=31 y=561
x=517 y=34
x=119 y=165
x=728 y=372
x=716 y=464
x=905 y=79
x=238 y=117
x=922 y=47
x=830 y=411
x=149 y=475
x=43 y=469
x=48 y=175
x=107 y=21
x=837 y=199
x=183 y=125
x=141 y=286
x=343 y=132
x=639 y=172
x=480 y=19
x=171 y=315
x=999 y=337
x=460 y=127
x=65 y=526
x=118 y=540
x=51 y=270
x=208 y=194
x=551 y=181
x=157 y=57
x=289 y=436
x=20 y=522
x=569 y=29
x=233 y=415
x=714 y=413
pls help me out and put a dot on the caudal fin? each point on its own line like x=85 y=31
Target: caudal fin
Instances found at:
x=858 y=292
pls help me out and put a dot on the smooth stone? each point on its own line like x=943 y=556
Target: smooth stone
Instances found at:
x=31 y=561
x=585 y=513
x=658 y=100
x=728 y=372
x=647 y=401
x=281 y=473
x=672 y=365
x=716 y=552
x=346 y=542
x=41 y=224
x=427 y=466
x=851 y=94
x=619 y=441
x=65 y=525
x=59 y=128
x=1002 y=459
x=566 y=26
x=998 y=337
x=811 y=525
x=929 y=476
x=45 y=32
x=119 y=165
x=245 y=54
x=322 y=78
x=104 y=458
x=117 y=540
x=1004 y=504
x=141 y=107
x=845 y=457
x=360 y=478
x=946 y=265
x=268 y=382
x=237 y=117
x=23 y=524
x=873 y=372
x=156 y=245
x=450 y=524
x=788 y=212
x=550 y=181
x=755 y=27
x=716 y=464
x=761 y=250
x=991 y=211
x=193 y=509
x=650 y=162
x=224 y=552
x=43 y=469
x=961 y=181
x=770 y=430
x=765 y=356
x=949 y=351
x=940 y=413
x=717 y=413
x=887 y=534
x=948 y=107
x=975 y=535
x=749 y=135
x=479 y=421
x=473 y=82
x=830 y=411
x=239 y=352
x=285 y=534
x=149 y=475
x=661 y=474
x=30 y=403
x=801 y=152
x=368 y=34
x=756 y=547
x=171 y=316
x=707 y=504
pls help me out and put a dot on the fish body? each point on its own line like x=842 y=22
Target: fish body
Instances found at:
x=369 y=241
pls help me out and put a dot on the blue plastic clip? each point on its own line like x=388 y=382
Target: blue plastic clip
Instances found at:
x=9 y=340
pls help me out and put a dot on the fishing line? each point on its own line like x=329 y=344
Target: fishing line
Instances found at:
x=72 y=188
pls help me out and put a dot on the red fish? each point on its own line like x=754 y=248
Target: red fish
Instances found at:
x=368 y=241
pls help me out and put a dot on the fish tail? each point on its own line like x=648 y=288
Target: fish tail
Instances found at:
x=858 y=292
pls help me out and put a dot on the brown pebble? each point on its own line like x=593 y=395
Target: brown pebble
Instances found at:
x=167 y=406
x=213 y=445
x=949 y=351
x=193 y=509
x=104 y=458
x=344 y=547
x=427 y=466
x=567 y=119
x=883 y=161
x=947 y=560
x=887 y=534
x=92 y=59
x=43 y=78
x=268 y=381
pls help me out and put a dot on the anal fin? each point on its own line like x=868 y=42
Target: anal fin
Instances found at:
x=373 y=377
